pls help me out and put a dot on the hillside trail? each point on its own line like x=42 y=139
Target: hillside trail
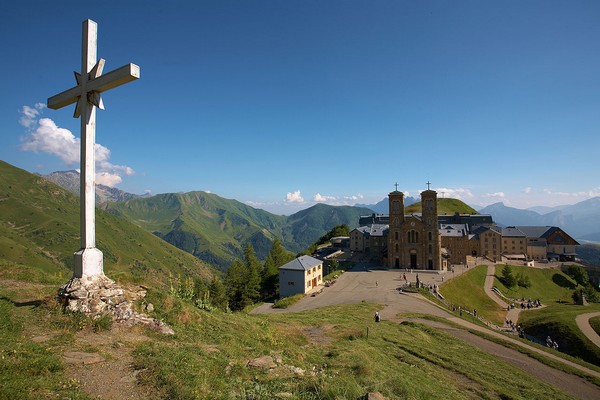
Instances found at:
x=380 y=286
x=583 y=322
x=100 y=363
x=488 y=287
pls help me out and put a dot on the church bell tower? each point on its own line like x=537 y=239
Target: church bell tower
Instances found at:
x=432 y=240
x=396 y=205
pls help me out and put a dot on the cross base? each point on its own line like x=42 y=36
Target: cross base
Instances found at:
x=88 y=262
x=97 y=296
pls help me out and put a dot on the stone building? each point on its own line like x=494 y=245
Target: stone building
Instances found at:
x=413 y=240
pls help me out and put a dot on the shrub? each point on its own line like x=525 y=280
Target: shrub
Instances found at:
x=523 y=281
x=508 y=279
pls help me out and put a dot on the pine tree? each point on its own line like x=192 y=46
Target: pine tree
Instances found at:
x=235 y=282
x=218 y=297
x=277 y=257
x=252 y=291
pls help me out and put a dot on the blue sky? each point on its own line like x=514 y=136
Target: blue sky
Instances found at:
x=281 y=104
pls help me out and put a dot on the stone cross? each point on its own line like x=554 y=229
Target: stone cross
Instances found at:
x=396 y=184
x=428 y=185
x=90 y=84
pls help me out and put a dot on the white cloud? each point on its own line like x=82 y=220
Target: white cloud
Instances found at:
x=594 y=192
x=44 y=136
x=30 y=114
x=320 y=198
x=528 y=189
x=497 y=194
x=294 y=197
x=354 y=197
x=108 y=179
x=456 y=193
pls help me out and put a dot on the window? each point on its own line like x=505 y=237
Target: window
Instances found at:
x=430 y=236
x=396 y=235
x=308 y=284
x=430 y=249
x=290 y=283
x=396 y=247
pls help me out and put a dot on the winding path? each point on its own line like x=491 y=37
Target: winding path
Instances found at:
x=583 y=322
x=513 y=313
x=381 y=287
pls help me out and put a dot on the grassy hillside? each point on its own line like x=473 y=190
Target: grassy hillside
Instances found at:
x=557 y=319
x=551 y=286
x=321 y=354
x=217 y=230
x=467 y=291
x=445 y=206
x=39 y=232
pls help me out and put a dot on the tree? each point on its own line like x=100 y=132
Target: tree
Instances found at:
x=579 y=274
x=277 y=257
x=253 y=268
x=235 y=286
x=523 y=280
x=508 y=279
x=218 y=297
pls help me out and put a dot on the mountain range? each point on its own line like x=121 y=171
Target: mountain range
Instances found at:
x=39 y=232
x=580 y=220
x=216 y=229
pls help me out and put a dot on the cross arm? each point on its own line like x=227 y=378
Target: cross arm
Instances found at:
x=118 y=77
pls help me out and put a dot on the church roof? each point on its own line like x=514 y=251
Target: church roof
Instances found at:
x=455 y=230
x=541 y=232
x=302 y=263
x=512 y=231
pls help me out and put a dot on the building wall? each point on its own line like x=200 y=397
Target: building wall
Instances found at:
x=293 y=282
x=491 y=244
x=313 y=277
x=431 y=241
x=459 y=247
x=536 y=252
x=514 y=245
x=357 y=241
x=395 y=242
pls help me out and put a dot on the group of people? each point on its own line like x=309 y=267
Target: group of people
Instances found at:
x=526 y=304
x=551 y=343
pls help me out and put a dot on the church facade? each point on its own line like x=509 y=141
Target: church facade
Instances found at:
x=414 y=240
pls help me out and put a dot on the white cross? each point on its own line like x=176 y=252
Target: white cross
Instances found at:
x=90 y=84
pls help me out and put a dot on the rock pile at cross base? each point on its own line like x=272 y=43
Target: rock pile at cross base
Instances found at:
x=99 y=295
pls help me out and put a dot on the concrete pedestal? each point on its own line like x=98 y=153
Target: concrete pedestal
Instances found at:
x=90 y=260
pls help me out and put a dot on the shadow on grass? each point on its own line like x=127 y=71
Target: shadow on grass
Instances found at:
x=561 y=281
x=31 y=303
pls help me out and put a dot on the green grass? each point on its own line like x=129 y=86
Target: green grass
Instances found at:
x=39 y=232
x=595 y=323
x=208 y=357
x=29 y=370
x=558 y=322
x=467 y=291
x=549 y=285
x=444 y=206
x=288 y=301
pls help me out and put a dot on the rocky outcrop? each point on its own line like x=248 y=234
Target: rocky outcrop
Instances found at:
x=99 y=295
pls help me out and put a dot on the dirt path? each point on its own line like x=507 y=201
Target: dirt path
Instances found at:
x=568 y=383
x=100 y=363
x=513 y=313
x=381 y=286
x=583 y=322
x=103 y=365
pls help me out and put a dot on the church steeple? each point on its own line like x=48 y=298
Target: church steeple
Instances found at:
x=396 y=205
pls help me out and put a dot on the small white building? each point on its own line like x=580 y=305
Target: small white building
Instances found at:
x=300 y=275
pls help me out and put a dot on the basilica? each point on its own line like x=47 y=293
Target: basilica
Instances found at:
x=430 y=241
